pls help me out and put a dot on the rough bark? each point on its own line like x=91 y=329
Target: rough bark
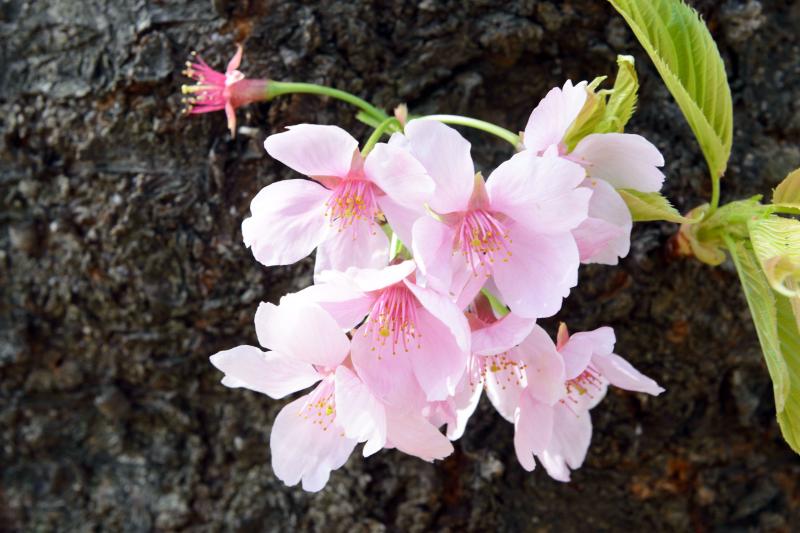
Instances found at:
x=123 y=270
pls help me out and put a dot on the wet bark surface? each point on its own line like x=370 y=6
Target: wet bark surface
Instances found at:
x=122 y=269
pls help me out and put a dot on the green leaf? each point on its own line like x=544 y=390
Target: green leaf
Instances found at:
x=647 y=206
x=679 y=44
x=763 y=308
x=622 y=102
x=788 y=314
x=776 y=242
x=788 y=192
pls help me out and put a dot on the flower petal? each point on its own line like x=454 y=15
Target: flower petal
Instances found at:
x=464 y=403
x=411 y=433
x=399 y=175
x=502 y=335
x=236 y=60
x=358 y=412
x=550 y=120
x=446 y=312
x=401 y=219
x=624 y=160
x=533 y=427
x=445 y=154
x=605 y=236
x=541 y=193
x=544 y=367
x=539 y=274
x=622 y=374
x=363 y=245
x=437 y=360
x=285 y=328
x=433 y=252
x=270 y=373
x=579 y=349
x=505 y=379
x=314 y=150
x=572 y=434
x=288 y=222
x=345 y=303
x=303 y=449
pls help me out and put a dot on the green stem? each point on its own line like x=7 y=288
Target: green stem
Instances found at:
x=714 y=196
x=278 y=88
x=498 y=306
x=376 y=135
x=488 y=127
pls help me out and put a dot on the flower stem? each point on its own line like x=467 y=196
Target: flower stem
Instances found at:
x=488 y=127
x=279 y=88
x=714 y=196
x=377 y=134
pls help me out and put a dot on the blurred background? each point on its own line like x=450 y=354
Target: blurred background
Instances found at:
x=122 y=269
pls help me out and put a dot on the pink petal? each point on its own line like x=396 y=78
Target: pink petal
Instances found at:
x=605 y=235
x=580 y=347
x=411 y=433
x=433 y=252
x=230 y=114
x=358 y=412
x=305 y=450
x=572 y=434
x=445 y=154
x=622 y=374
x=540 y=192
x=285 y=328
x=549 y=122
x=533 y=427
x=363 y=245
x=539 y=274
x=346 y=304
x=398 y=175
x=270 y=373
x=502 y=335
x=446 y=313
x=314 y=150
x=437 y=360
x=401 y=219
x=504 y=380
x=236 y=60
x=464 y=403
x=288 y=222
x=544 y=368
x=388 y=375
x=624 y=160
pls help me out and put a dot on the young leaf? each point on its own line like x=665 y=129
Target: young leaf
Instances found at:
x=622 y=102
x=763 y=309
x=680 y=46
x=789 y=335
x=646 y=206
x=776 y=242
x=788 y=192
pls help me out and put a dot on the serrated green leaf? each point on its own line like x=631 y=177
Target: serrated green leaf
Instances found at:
x=788 y=316
x=622 y=101
x=763 y=308
x=776 y=242
x=683 y=51
x=646 y=206
x=788 y=192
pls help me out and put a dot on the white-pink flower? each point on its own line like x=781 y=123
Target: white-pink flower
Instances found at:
x=515 y=227
x=413 y=344
x=564 y=382
x=316 y=433
x=612 y=161
x=340 y=208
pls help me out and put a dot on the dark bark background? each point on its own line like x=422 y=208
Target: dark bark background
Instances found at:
x=122 y=270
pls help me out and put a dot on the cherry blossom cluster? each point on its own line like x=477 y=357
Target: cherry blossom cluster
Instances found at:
x=428 y=283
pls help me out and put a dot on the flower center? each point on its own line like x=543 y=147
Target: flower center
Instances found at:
x=352 y=200
x=584 y=385
x=393 y=318
x=504 y=371
x=482 y=239
x=320 y=408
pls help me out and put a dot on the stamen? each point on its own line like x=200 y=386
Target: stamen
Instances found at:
x=393 y=318
x=482 y=239
x=352 y=200
x=503 y=370
x=585 y=384
x=320 y=408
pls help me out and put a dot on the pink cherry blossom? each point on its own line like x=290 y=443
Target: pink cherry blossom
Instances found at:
x=316 y=433
x=514 y=228
x=565 y=381
x=612 y=161
x=413 y=344
x=340 y=209
x=215 y=91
